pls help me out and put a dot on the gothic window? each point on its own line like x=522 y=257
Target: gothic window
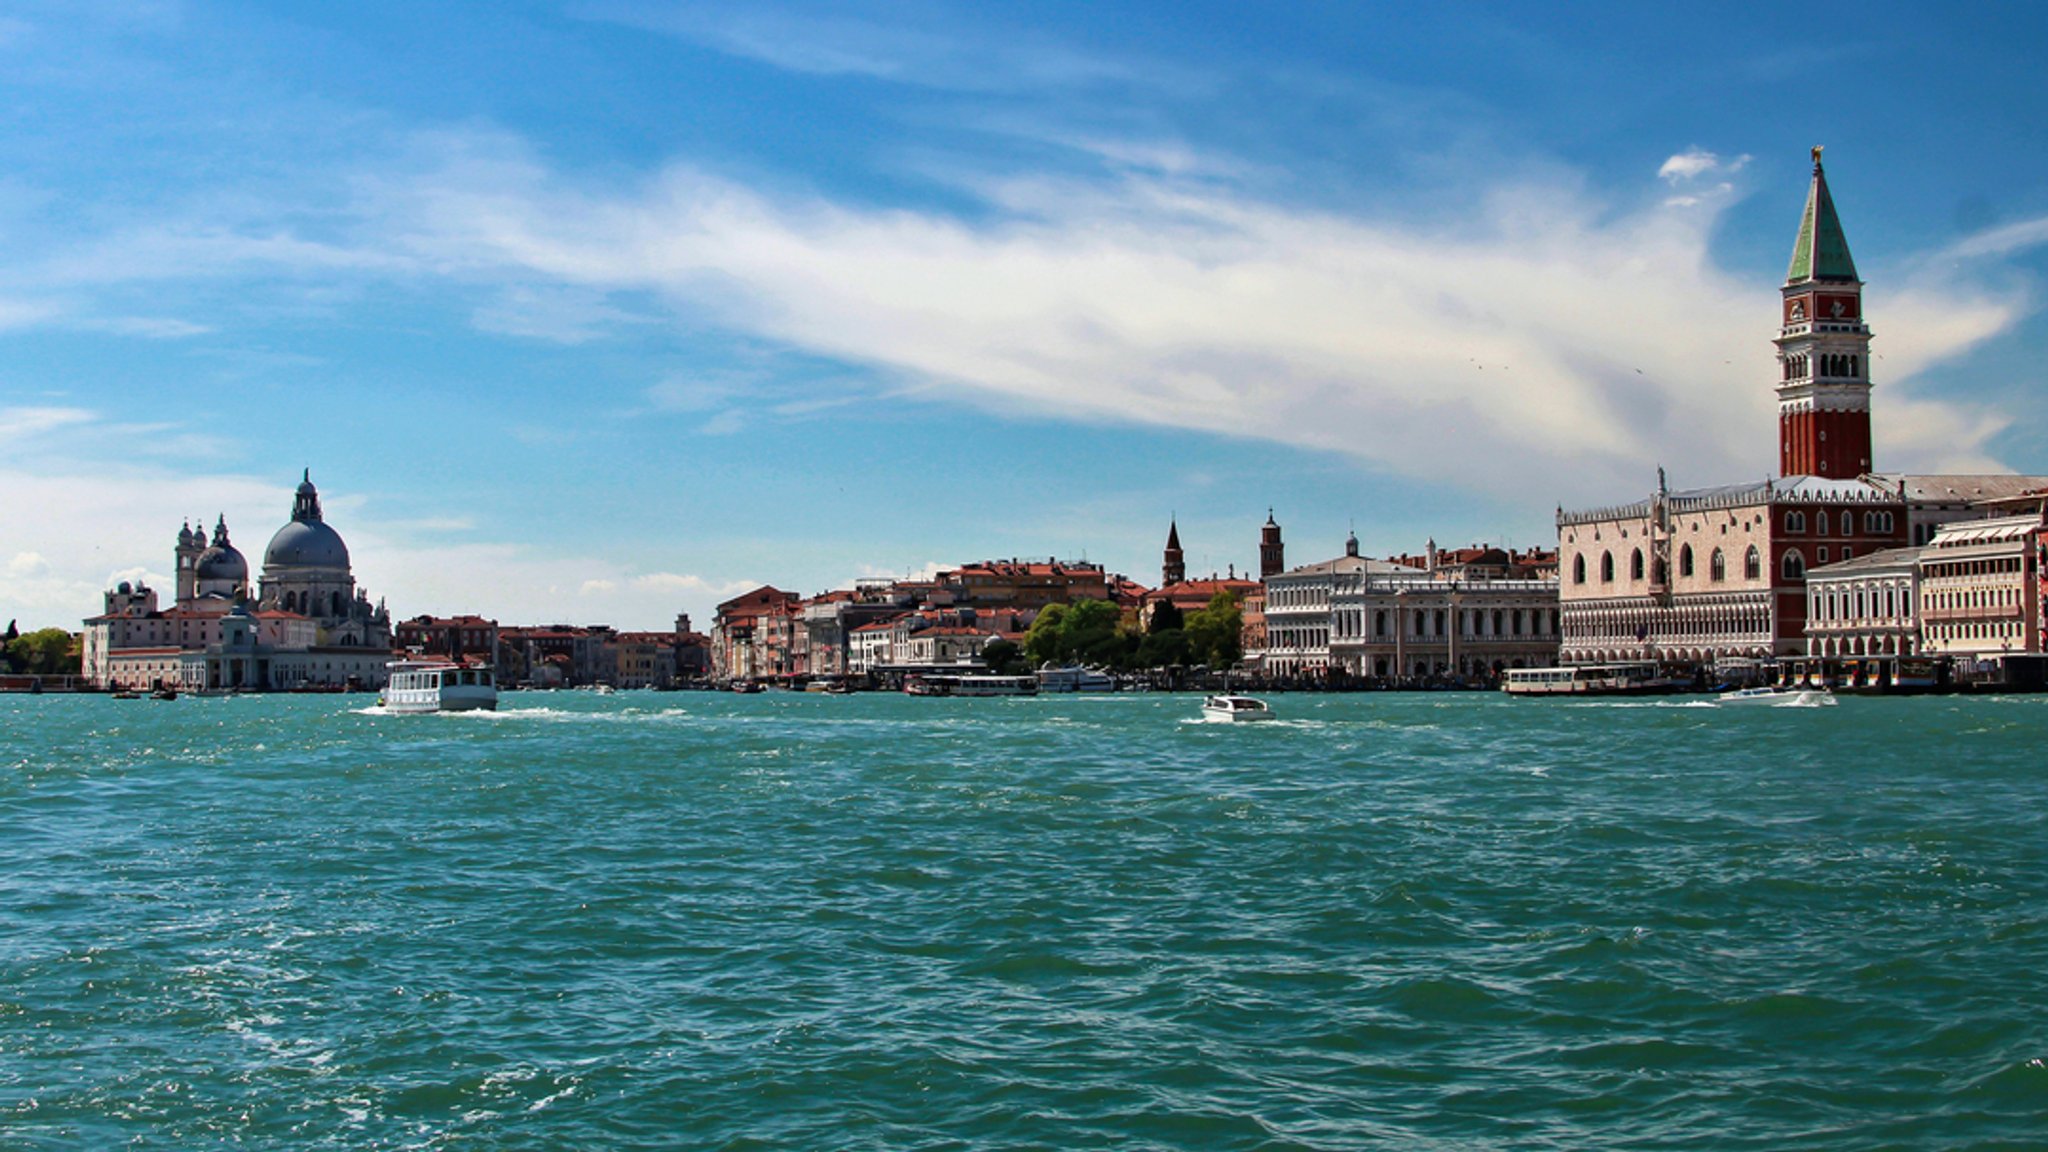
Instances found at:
x=1795 y=522
x=1820 y=522
x=1635 y=565
x=1578 y=569
x=1607 y=567
x=1717 y=567
x=1685 y=561
x=1854 y=363
x=1848 y=523
x=1795 y=565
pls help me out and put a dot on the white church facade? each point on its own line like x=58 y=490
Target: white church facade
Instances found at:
x=304 y=626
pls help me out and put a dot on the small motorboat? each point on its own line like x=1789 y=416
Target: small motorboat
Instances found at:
x=1772 y=697
x=1235 y=709
x=126 y=694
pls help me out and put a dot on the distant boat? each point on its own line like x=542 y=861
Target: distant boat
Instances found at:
x=747 y=687
x=1075 y=678
x=126 y=694
x=164 y=692
x=1236 y=709
x=1777 y=697
x=439 y=686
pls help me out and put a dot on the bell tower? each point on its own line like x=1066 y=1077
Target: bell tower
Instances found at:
x=1272 y=553
x=1823 y=349
x=1173 y=569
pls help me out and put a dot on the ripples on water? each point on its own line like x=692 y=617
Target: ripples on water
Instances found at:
x=878 y=922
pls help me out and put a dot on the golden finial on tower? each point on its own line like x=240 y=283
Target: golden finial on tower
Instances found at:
x=1816 y=155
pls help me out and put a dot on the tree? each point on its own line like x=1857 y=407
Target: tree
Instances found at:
x=1164 y=650
x=1042 y=642
x=1216 y=633
x=1166 y=617
x=1087 y=631
x=44 y=652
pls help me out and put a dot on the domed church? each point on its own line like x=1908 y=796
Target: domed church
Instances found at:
x=311 y=627
x=306 y=570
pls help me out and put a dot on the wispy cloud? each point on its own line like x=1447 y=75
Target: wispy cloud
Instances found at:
x=18 y=424
x=1694 y=163
x=1552 y=343
x=902 y=44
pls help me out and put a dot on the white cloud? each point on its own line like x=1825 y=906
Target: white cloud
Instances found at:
x=21 y=423
x=26 y=564
x=1696 y=162
x=2004 y=240
x=148 y=327
x=24 y=313
x=1549 y=344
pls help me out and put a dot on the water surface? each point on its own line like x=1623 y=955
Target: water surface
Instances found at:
x=711 y=921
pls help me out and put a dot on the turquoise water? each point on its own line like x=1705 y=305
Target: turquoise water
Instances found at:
x=783 y=921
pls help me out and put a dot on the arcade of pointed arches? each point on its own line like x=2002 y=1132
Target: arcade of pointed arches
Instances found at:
x=1701 y=629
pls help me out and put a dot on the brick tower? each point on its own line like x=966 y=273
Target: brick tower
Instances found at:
x=1823 y=350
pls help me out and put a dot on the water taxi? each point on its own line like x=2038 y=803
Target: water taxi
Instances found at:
x=439 y=686
x=1235 y=709
x=1771 y=697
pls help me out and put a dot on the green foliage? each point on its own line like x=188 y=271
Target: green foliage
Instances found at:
x=1216 y=633
x=1164 y=650
x=1085 y=632
x=1042 y=642
x=44 y=652
x=1166 y=617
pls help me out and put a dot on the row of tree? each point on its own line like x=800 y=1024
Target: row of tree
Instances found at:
x=44 y=652
x=1094 y=632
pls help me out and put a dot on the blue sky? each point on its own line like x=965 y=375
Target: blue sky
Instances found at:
x=598 y=312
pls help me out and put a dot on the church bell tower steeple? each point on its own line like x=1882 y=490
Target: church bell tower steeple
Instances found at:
x=1823 y=349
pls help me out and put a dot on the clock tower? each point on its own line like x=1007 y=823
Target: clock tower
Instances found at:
x=1823 y=350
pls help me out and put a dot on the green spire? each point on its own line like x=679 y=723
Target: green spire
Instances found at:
x=1821 y=252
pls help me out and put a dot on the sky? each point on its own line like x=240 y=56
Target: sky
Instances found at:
x=598 y=312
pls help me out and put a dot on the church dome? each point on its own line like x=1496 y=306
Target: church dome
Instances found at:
x=222 y=562
x=306 y=544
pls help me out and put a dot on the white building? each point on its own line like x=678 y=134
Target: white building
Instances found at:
x=1980 y=590
x=1364 y=617
x=312 y=626
x=1865 y=606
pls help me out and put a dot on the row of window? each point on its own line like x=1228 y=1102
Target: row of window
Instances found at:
x=2010 y=631
x=1425 y=622
x=1943 y=600
x=1874 y=523
x=1996 y=566
x=1717 y=566
x=1831 y=364
x=1896 y=603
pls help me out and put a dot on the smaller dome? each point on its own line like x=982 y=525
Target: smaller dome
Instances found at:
x=125 y=588
x=222 y=562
